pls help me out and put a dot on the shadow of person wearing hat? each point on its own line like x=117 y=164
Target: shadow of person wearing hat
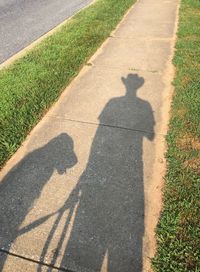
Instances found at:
x=109 y=222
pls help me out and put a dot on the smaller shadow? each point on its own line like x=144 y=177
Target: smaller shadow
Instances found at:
x=24 y=183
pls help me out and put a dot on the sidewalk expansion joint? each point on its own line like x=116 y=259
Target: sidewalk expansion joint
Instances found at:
x=143 y=39
x=123 y=67
x=103 y=125
x=34 y=261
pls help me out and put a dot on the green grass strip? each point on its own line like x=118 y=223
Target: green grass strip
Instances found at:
x=178 y=232
x=30 y=86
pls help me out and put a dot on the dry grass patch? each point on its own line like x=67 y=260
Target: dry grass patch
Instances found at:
x=193 y=164
x=188 y=142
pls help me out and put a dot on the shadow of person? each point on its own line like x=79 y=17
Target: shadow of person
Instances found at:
x=109 y=223
x=24 y=183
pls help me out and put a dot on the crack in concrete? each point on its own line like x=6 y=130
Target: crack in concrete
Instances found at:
x=34 y=261
x=104 y=125
x=151 y=38
x=159 y=72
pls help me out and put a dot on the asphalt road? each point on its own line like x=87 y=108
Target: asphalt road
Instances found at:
x=24 y=21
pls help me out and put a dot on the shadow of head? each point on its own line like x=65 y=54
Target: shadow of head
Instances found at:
x=132 y=83
x=61 y=152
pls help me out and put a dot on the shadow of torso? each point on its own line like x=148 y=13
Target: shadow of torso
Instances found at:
x=110 y=216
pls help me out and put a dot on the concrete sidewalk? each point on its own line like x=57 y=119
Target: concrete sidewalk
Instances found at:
x=83 y=193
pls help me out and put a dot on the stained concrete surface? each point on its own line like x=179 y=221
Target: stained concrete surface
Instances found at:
x=161 y=27
x=151 y=56
x=84 y=191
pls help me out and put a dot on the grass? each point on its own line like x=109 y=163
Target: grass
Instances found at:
x=30 y=86
x=178 y=232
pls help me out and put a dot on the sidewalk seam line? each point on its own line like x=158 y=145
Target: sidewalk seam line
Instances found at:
x=159 y=72
x=142 y=39
x=104 y=125
x=34 y=261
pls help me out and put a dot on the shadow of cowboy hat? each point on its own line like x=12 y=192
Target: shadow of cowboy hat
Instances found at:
x=133 y=81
